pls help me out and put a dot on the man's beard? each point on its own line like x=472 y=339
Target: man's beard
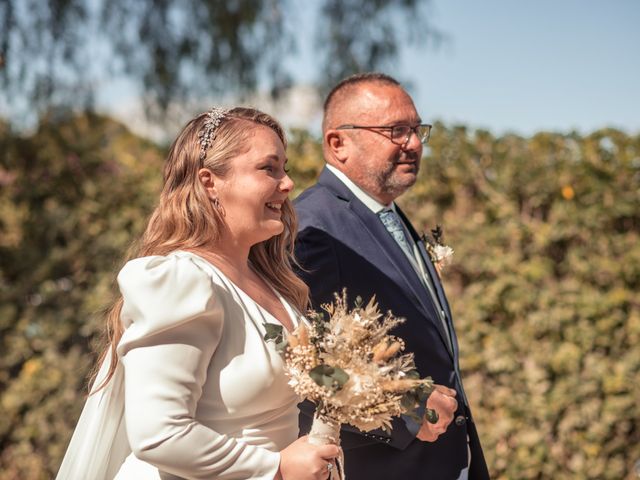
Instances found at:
x=394 y=183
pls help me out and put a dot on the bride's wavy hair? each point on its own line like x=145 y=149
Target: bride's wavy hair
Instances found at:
x=186 y=218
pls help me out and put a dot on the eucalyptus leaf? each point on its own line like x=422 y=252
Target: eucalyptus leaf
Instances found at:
x=281 y=345
x=408 y=403
x=431 y=415
x=423 y=391
x=330 y=377
x=275 y=332
x=412 y=375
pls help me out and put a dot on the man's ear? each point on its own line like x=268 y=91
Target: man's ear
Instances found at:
x=338 y=144
x=206 y=179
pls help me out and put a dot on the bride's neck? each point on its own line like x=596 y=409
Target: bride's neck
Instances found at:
x=233 y=263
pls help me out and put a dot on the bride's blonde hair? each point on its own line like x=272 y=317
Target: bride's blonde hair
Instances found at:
x=186 y=218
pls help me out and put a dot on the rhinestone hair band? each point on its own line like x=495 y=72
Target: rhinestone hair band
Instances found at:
x=208 y=134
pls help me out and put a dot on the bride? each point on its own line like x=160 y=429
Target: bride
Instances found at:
x=187 y=387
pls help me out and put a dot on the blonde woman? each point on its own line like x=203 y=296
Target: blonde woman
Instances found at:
x=188 y=388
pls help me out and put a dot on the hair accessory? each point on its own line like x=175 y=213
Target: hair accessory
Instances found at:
x=207 y=134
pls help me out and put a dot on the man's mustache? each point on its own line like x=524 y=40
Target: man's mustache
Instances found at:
x=406 y=159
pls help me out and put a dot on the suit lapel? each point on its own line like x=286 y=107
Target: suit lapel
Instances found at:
x=435 y=280
x=392 y=251
x=403 y=271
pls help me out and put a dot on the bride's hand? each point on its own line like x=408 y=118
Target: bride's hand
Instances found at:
x=304 y=461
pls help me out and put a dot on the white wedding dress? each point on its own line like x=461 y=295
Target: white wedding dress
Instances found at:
x=198 y=393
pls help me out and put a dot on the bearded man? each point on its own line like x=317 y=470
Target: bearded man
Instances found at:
x=352 y=235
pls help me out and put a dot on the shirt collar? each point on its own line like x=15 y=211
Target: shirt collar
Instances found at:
x=370 y=202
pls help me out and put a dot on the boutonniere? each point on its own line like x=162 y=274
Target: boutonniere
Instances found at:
x=441 y=255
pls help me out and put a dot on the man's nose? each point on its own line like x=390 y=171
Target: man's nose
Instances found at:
x=413 y=143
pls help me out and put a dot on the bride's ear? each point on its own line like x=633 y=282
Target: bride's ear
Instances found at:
x=207 y=180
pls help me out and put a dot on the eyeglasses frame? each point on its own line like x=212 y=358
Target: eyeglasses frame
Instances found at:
x=374 y=129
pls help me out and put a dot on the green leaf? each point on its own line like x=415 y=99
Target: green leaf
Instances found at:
x=274 y=332
x=330 y=377
x=281 y=345
x=431 y=415
x=412 y=375
x=314 y=316
x=415 y=397
x=408 y=403
x=319 y=329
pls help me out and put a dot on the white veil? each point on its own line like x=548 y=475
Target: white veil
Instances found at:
x=99 y=443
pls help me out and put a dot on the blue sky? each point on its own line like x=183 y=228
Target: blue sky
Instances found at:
x=526 y=66
x=506 y=66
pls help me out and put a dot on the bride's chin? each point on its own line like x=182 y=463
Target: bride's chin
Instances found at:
x=280 y=228
x=272 y=228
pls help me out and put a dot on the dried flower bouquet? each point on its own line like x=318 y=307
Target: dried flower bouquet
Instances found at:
x=352 y=369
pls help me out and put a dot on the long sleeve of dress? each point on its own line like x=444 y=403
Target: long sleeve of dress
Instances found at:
x=173 y=327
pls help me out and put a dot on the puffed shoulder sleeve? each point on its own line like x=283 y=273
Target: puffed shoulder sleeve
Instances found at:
x=164 y=296
x=173 y=324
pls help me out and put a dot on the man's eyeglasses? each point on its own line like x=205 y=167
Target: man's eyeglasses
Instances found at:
x=400 y=134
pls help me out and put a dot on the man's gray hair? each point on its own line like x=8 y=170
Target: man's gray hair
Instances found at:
x=358 y=78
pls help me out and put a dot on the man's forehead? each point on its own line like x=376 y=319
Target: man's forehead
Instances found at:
x=384 y=103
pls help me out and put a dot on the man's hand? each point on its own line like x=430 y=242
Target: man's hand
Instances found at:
x=443 y=401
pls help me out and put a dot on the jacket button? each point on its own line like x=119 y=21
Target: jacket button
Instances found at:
x=460 y=420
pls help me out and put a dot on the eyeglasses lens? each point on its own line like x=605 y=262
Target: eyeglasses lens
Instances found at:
x=400 y=134
x=423 y=133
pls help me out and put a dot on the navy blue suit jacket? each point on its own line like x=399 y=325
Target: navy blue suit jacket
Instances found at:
x=342 y=243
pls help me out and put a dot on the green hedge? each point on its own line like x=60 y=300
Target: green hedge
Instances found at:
x=543 y=286
x=545 y=294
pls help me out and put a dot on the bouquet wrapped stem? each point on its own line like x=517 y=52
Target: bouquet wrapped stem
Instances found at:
x=325 y=431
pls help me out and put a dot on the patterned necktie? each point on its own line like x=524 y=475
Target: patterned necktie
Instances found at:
x=393 y=224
